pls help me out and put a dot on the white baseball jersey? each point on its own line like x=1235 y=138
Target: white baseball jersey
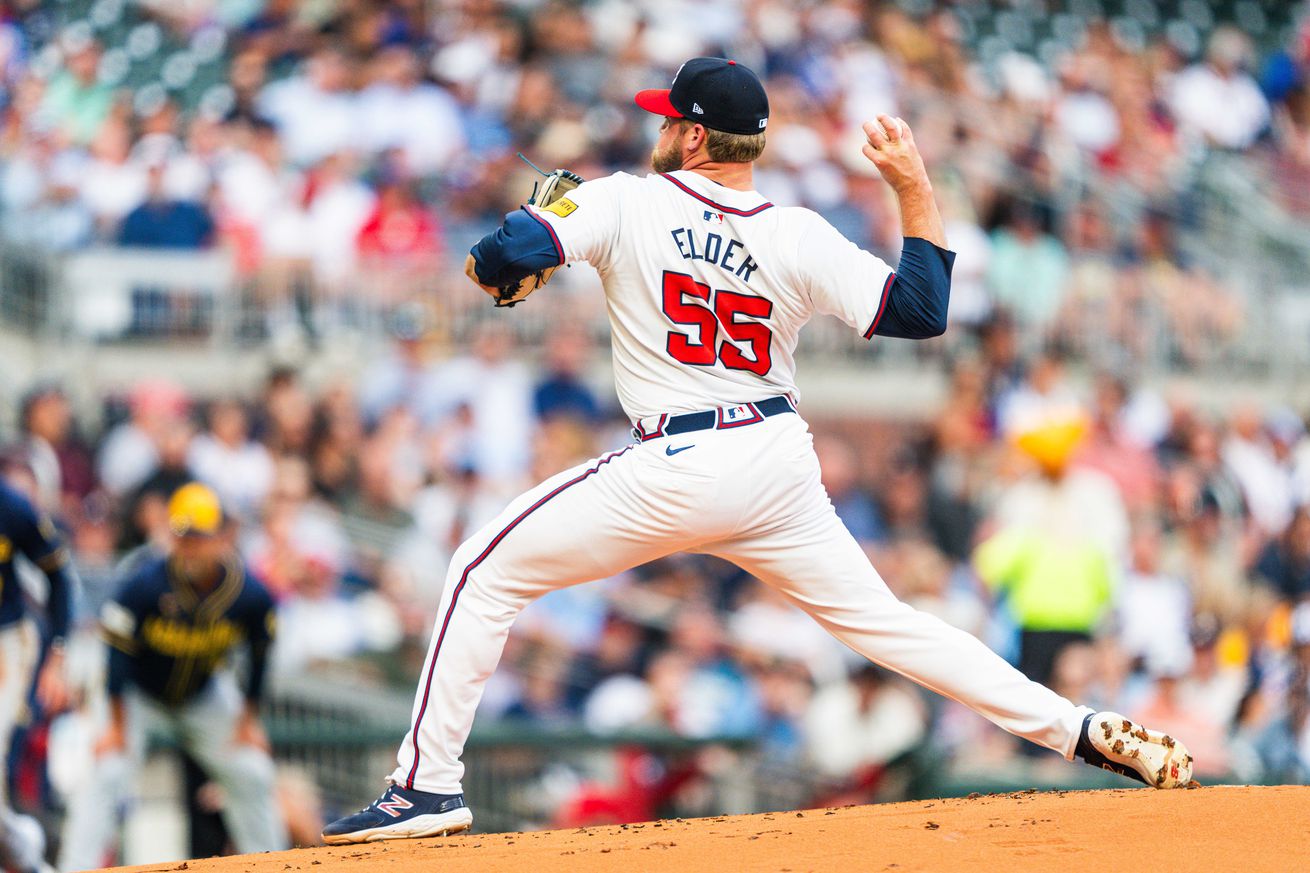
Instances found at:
x=707 y=290
x=708 y=287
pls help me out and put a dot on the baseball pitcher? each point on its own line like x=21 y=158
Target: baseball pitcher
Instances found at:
x=707 y=284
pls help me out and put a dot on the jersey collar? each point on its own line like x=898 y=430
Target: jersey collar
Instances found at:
x=723 y=199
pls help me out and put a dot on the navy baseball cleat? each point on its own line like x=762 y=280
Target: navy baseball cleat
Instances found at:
x=1114 y=743
x=399 y=814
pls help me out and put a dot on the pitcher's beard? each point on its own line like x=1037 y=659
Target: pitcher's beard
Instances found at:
x=666 y=161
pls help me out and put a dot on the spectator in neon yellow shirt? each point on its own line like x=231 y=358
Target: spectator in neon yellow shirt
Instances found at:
x=1059 y=539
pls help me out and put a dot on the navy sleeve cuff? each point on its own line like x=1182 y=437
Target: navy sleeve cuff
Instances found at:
x=119 y=667
x=915 y=306
x=59 y=605
x=520 y=247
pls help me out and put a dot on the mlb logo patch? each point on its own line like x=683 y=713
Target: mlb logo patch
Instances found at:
x=738 y=416
x=714 y=217
x=736 y=413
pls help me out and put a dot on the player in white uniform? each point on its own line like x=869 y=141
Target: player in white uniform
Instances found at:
x=708 y=285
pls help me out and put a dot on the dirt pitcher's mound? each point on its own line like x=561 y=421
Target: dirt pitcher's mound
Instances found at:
x=1209 y=829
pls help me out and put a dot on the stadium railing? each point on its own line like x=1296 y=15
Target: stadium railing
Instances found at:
x=344 y=737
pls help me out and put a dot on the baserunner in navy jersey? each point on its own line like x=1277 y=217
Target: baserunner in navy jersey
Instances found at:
x=174 y=627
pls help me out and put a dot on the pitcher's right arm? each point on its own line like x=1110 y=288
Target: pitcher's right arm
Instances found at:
x=909 y=302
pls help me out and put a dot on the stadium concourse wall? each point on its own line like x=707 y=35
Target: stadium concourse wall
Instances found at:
x=99 y=319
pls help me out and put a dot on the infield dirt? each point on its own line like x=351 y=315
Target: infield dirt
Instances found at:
x=1142 y=831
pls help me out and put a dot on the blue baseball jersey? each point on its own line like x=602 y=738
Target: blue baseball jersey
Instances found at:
x=169 y=638
x=25 y=531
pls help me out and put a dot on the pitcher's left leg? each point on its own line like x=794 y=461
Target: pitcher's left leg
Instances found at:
x=818 y=565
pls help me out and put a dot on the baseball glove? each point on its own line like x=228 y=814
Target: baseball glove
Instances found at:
x=545 y=194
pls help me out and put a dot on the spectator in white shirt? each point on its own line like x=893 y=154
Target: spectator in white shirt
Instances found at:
x=315 y=111
x=1218 y=100
x=400 y=111
x=130 y=452
x=224 y=457
x=497 y=389
x=111 y=184
x=403 y=377
x=260 y=196
x=1266 y=481
x=856 y=726
x=339 y=206
x=1082 y=112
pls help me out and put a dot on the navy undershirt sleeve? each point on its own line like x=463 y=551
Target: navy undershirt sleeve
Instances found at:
x=517 y=249
x=259 y=622
x=58 y=605
x=919 y=296
x=120 y=667
x=37 y=538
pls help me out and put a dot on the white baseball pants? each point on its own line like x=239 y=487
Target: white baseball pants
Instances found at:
x=749 y=494
x=204 y=727
x=19 y=648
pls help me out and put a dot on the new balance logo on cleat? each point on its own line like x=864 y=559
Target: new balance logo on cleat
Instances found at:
x=395 y=806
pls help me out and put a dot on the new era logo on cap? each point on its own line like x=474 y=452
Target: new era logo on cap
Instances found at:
x=722 y=94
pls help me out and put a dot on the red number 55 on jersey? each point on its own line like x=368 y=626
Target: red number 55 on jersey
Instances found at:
x=692 y=303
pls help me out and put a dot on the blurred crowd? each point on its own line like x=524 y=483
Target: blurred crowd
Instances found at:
x=1137 y=550
x=357 y=147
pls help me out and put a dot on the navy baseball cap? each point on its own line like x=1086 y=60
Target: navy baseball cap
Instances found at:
x=716 y=92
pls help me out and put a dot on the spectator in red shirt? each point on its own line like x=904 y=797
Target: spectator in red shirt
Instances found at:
x=400 y=228
x=400 y=243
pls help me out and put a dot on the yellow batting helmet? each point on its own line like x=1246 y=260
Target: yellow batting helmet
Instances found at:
x=194 y=510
